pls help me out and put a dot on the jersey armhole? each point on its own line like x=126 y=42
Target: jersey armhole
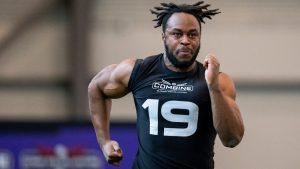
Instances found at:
x=134 y=74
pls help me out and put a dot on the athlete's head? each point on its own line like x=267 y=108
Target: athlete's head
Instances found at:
x=181 y=26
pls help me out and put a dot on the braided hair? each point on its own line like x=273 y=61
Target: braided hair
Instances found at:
x=166 y=10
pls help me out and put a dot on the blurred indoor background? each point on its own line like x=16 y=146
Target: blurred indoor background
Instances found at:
x=50 y=50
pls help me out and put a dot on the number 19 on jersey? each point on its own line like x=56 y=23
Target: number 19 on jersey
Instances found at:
x=166 y=111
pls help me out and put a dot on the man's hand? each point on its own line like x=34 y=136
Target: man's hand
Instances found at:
x=112 y=152
x=212 y=67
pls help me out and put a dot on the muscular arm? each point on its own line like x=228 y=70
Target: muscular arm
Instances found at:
x=227 y=118
x=110 y=83
x=226 y=114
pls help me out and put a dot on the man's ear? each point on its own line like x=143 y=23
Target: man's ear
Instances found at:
x=163 y=37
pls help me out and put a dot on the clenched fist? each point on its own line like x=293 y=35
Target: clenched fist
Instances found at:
x=112 y=152
x=212 y=67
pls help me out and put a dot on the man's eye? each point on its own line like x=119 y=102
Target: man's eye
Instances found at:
x=193 y=35
x=177 y=35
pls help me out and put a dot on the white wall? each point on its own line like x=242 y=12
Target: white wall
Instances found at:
x=271 y=140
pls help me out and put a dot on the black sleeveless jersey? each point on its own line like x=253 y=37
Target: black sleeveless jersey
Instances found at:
x=174 y=117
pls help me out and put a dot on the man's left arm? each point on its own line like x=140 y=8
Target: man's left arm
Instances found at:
x=227 y=118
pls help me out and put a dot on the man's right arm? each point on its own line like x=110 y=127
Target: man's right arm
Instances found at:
x=109 y=83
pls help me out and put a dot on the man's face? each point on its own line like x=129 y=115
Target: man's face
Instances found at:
x=182 y=39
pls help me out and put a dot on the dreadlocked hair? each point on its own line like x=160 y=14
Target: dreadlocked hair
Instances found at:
x=165 y=11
